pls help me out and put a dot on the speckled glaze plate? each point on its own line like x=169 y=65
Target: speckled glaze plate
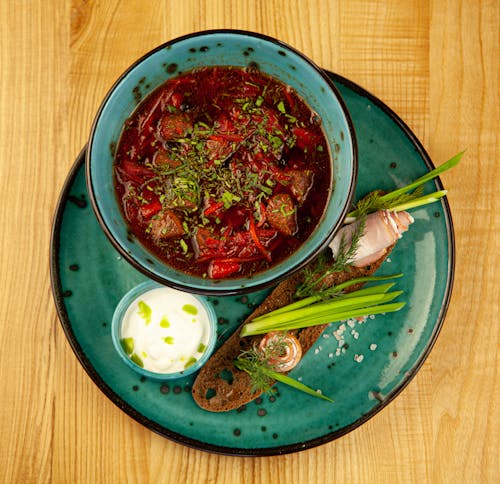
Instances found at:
x=361 y=365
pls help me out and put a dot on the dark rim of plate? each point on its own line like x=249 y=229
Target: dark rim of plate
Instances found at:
x=266 y=451
x=245 y=285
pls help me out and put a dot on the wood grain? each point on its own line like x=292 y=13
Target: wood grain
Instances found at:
x=436 y=63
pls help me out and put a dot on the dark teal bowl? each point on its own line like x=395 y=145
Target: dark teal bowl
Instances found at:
x=220 y=47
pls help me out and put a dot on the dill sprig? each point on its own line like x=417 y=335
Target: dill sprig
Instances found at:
x=375 y=201
x=256 y=364
x=315 y=274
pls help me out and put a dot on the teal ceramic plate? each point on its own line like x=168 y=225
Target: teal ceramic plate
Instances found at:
x=361 y=365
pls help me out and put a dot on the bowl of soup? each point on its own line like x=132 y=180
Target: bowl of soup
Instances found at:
x=221 y=162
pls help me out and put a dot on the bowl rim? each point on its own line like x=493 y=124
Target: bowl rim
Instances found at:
x=215 y=289
x=121 y=309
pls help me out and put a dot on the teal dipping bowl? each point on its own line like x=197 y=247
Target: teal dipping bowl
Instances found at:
x=127 y=303
x=220 y=48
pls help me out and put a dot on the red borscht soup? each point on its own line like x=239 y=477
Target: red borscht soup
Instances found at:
x=222 y=172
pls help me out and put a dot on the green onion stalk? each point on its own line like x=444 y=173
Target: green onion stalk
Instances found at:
x=338 y=306
x=404 y=198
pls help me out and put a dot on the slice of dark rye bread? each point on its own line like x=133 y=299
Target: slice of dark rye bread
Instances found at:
x=220 y=386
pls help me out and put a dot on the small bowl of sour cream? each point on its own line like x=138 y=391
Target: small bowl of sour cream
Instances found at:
x=164 y=333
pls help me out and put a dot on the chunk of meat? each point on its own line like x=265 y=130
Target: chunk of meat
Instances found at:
x=166 y=225
x=281 y=214
x=162 y=159
x=301 y=182
x=174 y=126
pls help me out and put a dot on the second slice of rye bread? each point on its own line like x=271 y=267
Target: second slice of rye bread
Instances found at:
x=220 y=386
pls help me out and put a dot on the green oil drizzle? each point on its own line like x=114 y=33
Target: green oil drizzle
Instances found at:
x=127 y=345
x=137 y=360
x=192 y=360
x=145 y=312
x=190 y=309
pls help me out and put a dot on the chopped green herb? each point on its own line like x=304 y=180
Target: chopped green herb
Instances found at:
x=229 y=198
x=169 y=340
x=281 y=107
x=201 y=348
x=184 y=246
x=145 y=312
x=164 y=323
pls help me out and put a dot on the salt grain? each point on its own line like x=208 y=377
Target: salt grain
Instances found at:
x=373 y=346
x=358 y=358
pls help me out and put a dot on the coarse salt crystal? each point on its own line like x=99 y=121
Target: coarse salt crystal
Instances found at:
x=358 y=358
x=330 y=355
x=351 y=323
x=373 y=346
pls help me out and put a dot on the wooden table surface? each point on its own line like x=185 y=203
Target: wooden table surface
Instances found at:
x=436 y=63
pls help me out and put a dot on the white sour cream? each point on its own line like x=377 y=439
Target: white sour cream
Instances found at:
x=165 y=330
